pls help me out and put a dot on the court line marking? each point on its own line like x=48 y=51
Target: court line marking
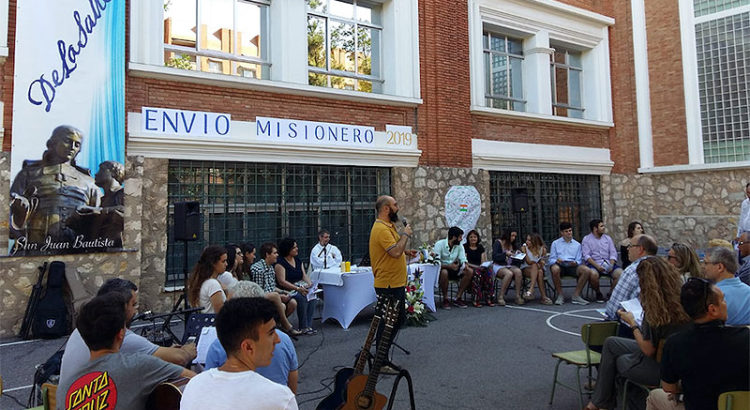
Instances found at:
x=18 y=388
x=554 y=314
x=20 y=342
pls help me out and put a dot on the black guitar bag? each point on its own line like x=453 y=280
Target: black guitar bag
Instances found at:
x=51 y=316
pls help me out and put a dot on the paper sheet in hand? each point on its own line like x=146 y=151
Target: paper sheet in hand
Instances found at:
x=634 y=306
x=208 y=335
x=519 y=256
x=312 y=292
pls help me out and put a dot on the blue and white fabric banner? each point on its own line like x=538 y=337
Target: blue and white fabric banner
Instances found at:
x=68 y=129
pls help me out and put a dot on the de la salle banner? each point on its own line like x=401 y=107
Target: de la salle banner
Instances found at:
x=68 y=127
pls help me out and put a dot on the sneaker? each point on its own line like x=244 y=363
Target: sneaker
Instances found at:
x=546 y=301
x=599 y=297
x=578 y=300
x=446 y=304
x=460 y=304
x=559 y=300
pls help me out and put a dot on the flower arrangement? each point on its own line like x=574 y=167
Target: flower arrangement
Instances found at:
x=416 y=314
x=426 y=255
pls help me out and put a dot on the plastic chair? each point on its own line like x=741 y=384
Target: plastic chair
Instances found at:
x=738 y=399
x=592 y=334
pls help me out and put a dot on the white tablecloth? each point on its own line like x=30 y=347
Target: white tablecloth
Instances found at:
x=429 y=281
x=346 y=294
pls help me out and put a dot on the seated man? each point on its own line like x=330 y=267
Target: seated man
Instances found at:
x=111 y=379
x=453 y=265
x=744 y=247
x=324 y=255
x=77 y=353
x=246 y=330
x=283 y=367
x=707 y=359
x=720 y=265
x=600 y=256
x=641 y=246
x=565 y=258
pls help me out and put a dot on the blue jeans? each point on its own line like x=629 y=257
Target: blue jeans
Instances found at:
x=305 y=310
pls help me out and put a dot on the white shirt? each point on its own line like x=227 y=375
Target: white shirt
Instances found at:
x=208 y=288
x=329 y=259
x=218 y=390
x=744 y=223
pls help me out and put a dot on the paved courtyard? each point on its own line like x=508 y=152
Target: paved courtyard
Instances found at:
x=487 y=358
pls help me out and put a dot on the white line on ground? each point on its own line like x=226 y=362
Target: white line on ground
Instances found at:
x=552 y=312
x=18 y=388
x=20 y=342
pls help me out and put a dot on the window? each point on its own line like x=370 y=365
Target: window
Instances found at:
x=343 y=44
x=251 y=202
x=503 y=65
x=553 y=198
x=566 y=71
x=218 y=36
x=723 y=50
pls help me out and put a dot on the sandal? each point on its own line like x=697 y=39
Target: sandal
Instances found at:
x=546 y=301
x=292 y=332
x=500 y=302
x=476 y=304
x=310 y=331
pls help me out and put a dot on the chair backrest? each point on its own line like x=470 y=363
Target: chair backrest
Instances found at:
x=594 y=334
x=49 y=396
x=734 y=400
x=195 y=323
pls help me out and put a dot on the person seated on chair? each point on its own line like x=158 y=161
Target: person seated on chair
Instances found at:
x=634 y=228
x=685 y=260
x=533 y=266
x=743 y=245
x=283 y=367
x=502 y=250
x=248 y=258
x=324 y=254
x=566 y=259
x=636 y=360
x=291 y=276
x=263 y=273
x=235 y=260
x=203 y=289
x=77 y=353
x=246 y=330
x=600 y=256
x=111 y=379
x=720 y=265
x=453 y=266
x=706 y=359
x=483 y=281
x=641 y=247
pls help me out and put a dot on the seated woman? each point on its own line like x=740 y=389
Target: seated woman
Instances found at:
x=634 y=228
x=685 y=260
x=291 y=276
x=483 y=282
x=202 y=287
x=234 y=267
x=248 y=258
x=263 y=274
x=533 y=266
x=635 y=359
x=502 y=250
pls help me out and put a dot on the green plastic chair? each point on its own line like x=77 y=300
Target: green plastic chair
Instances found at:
x=592 y=334
x=734 y=400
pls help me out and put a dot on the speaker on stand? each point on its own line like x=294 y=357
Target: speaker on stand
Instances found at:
x=519 y=201
x=187 y=227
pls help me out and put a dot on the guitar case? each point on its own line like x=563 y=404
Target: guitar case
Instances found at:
x=51 y=315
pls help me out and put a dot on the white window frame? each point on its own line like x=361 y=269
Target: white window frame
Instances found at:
x=288 y=54
x=3 y=31
x=507 y=54
x=540 y=22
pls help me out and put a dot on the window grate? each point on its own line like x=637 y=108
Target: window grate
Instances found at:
x=553 y=198
x=256 y=203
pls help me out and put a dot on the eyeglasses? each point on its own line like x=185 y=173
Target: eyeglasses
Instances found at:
x=630 y=245
x=706 y=287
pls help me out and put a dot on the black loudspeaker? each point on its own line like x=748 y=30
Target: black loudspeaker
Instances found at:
x=519 y=200
x=187 y=221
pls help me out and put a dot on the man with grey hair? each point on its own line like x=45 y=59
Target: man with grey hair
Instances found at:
x=283 y=367
x=743 y=273
x=720 y=265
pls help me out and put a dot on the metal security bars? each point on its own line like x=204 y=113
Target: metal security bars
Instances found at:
x=553 y=198
x=256 y=203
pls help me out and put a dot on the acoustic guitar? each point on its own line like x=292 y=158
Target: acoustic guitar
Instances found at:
x=360 y=392
x=167 y=395
x=338 y=396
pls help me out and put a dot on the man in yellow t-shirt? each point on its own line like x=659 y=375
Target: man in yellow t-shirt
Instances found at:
x=387 y=255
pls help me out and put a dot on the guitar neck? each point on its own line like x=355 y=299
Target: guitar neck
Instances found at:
x=362 y=360
x=383 y=346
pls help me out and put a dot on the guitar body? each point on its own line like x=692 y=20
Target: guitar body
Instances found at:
x=167 y=395
x=338 y=396
x=356 y=399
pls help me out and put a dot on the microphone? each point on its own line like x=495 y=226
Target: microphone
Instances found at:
x=405 y=222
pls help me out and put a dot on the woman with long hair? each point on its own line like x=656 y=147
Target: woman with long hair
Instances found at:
x=634 y=228
x=502 y=251
x=291 y=276
x=636 y=360
x=533 y=266
x=203 y=289
x=248 y=258
x=483 y=282
x=685 y=260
